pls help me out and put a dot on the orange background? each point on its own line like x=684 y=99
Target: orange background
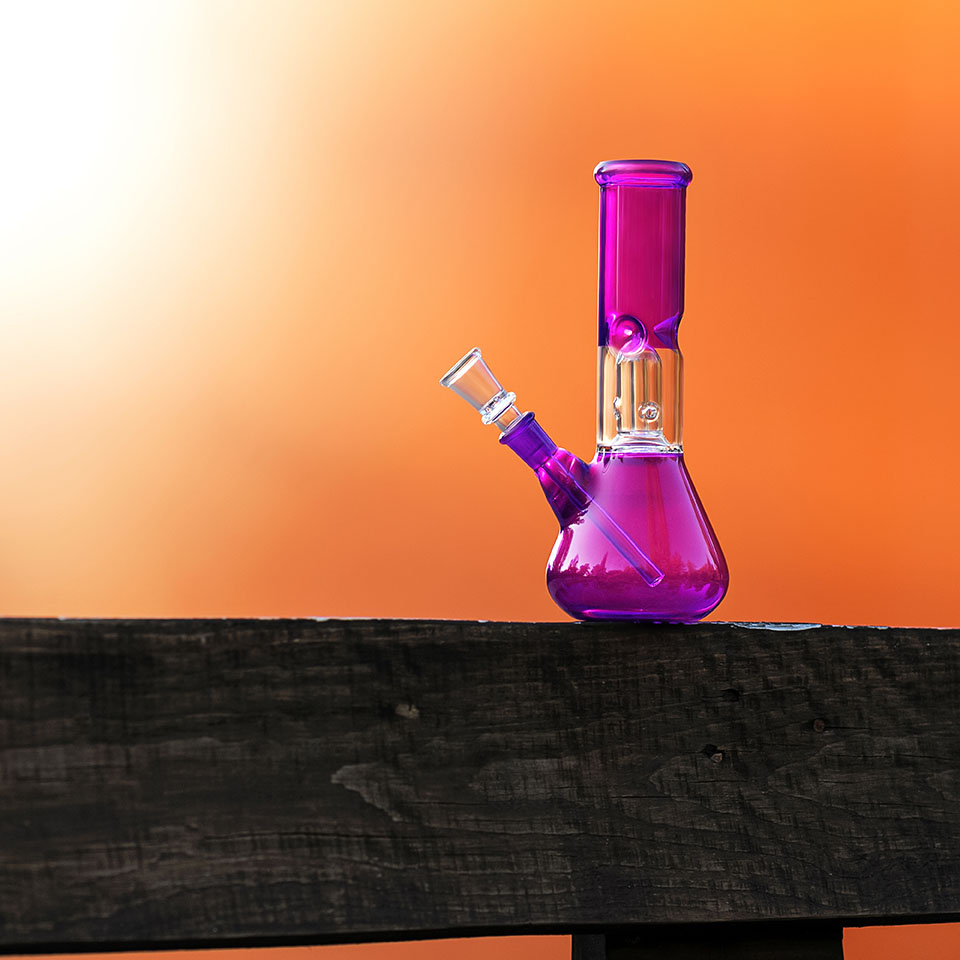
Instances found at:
x=240 y=242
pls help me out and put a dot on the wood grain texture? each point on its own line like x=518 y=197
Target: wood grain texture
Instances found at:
x=211 y=782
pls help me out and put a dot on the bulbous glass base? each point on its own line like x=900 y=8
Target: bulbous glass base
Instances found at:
x=652 y=498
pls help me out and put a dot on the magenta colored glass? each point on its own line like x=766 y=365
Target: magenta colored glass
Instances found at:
x=635 y=542
x=640 y=477
x=642 y=219
x=593 y=572
x=655 y=502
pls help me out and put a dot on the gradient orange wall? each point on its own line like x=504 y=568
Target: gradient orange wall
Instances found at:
x=239 y=243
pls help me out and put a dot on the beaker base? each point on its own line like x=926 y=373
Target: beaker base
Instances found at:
x=587 y=615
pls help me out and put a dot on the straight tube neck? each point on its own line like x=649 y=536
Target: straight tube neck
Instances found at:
x=642 y=223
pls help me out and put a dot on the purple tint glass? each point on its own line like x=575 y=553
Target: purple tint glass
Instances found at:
x=642 y=207
x=655 y=503
x=635 y=542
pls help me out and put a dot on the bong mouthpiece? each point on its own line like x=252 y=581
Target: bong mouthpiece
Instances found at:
x=471 y=379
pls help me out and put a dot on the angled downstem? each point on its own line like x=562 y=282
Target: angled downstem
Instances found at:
x=555 y=468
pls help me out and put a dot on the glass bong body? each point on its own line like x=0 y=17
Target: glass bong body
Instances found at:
x=635 y=542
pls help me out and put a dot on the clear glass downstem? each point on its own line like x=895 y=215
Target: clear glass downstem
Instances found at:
x=561 y=474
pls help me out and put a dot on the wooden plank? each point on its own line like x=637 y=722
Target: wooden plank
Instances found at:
x=217 y=782
x=588 y=946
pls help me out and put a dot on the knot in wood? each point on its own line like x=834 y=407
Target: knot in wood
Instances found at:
x=712 y=751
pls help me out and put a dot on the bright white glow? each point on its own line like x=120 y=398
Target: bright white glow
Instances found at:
x=60 y=101
x=75 y=88
x=143 y=148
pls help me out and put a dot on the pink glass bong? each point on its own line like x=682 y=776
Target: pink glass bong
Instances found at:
x=635 y=542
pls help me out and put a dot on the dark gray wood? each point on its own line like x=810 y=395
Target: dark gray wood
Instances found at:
x=588 y=946
x=729 y=941
x=217 y=782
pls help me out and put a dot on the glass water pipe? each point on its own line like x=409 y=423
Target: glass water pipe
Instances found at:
x=635 y=542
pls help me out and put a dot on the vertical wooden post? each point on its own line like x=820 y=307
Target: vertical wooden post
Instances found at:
x=734 y=941
x=589 y=946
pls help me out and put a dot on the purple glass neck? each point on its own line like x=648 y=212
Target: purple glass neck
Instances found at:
x=642 y=212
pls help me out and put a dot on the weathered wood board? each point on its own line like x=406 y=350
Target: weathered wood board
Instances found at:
x=168 y=783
